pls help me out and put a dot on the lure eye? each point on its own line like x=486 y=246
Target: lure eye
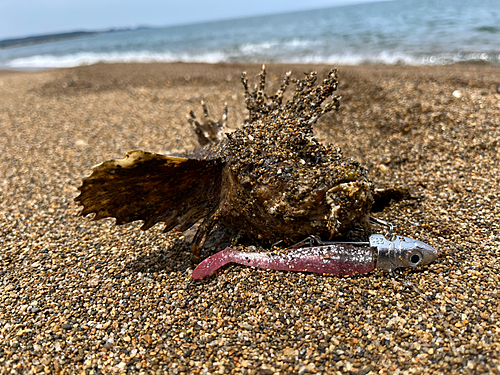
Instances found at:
x=415 y=258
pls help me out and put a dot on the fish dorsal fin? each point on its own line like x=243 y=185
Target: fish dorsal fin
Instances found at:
x=154 y=188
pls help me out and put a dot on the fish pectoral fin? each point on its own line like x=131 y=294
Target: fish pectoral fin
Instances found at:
x=153 y=188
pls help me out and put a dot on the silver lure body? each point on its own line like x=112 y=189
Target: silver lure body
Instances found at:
x=401 y=252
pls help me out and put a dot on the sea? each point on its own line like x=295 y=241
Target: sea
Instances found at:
x=408 y=32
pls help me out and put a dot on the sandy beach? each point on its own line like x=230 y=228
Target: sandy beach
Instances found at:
x=90 y=297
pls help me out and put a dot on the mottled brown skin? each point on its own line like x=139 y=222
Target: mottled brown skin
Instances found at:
x=270 y=181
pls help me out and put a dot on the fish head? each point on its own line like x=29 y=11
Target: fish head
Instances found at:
x=402 y=252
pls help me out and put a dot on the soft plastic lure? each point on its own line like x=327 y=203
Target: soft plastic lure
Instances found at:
x=382 y=252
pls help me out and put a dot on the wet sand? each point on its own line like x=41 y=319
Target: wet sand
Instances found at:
x=78 y=295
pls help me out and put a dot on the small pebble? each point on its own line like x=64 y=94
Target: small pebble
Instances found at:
x=383 y=168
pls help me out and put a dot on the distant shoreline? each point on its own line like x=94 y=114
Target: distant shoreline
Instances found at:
x=47 y=38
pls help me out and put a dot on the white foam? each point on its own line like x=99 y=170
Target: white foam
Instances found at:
x=388 y=58
x=269 y=51
x=249 y=48
x=263 y=47
x=89 y=58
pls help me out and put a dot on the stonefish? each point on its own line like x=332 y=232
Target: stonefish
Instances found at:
x=269 y=181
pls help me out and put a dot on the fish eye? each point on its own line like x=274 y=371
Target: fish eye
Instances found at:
x=415 y=258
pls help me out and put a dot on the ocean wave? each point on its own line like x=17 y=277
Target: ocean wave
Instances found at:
x=258 y=53
x=89 y=58
x=260 y=47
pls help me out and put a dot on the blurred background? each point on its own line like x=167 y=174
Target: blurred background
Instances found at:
x=56 y=33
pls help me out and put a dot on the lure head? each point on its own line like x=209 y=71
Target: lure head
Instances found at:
x=401 y=252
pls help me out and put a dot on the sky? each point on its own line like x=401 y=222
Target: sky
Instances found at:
x=21 y=18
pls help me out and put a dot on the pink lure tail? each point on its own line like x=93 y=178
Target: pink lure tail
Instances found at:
x=336 y=259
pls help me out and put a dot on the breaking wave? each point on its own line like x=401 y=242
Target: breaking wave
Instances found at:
x=249 y=53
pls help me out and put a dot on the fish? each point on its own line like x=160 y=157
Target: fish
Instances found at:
x=269 y=181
